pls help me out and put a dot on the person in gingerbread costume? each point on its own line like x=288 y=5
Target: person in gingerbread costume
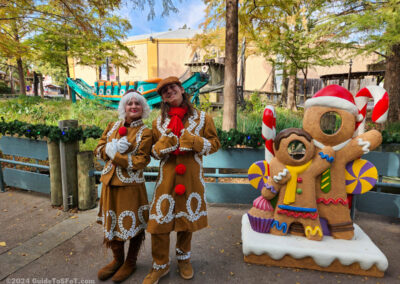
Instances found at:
x=331 y=117
x=181 y=135
x=123 y=208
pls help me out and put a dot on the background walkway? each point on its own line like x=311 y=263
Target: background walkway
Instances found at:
x=46 y=243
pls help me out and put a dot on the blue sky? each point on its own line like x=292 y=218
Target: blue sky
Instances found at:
x=191 y=13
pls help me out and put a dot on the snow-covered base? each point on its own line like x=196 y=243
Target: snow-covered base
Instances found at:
x=359 y=250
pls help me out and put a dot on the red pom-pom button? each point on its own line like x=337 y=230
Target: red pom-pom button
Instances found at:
x=122 y=131
x=299 y=180
x=180 y=189
x=180 y=169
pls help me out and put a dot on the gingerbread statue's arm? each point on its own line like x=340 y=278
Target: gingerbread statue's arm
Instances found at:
x=278 y=172
x=362 y=144
x=323 y=160
x=270 y=189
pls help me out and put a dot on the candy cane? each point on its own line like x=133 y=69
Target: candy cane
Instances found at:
x=268 y=131
x=381 y=106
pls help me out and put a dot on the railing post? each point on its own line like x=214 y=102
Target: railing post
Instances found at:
x=68 y=152
x=2 y=188
x=87 y=191
x=55 y=173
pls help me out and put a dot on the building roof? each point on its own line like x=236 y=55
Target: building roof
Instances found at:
x=177 y=34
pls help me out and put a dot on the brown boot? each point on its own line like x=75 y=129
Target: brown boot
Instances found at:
x=129 y=265
x=107 y=271
x=154 y=275
x=185 y=269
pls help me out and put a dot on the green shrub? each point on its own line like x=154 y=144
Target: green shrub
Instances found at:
x=4 y=89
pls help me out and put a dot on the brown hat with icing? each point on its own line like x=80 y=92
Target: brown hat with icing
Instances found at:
x=167 y=81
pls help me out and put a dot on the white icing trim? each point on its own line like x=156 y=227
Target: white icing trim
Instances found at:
x=115 y=126
x=180 y=255
x=190 y=215
x=364 y=144
x=154 y=153
x=206 y=147
x=134 y=176
x=201 y=123
x=107 y=168
x=98 y=152
x=124 y=234
x=359 y=250
x=280 y=175
x=136 y=123
x=159 y=217
x=335 y=148
x=160 y=178
x=160 y=266
x=191 y=119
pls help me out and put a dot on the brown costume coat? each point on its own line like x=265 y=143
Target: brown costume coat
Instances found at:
x=123 y=206
x=186 y=212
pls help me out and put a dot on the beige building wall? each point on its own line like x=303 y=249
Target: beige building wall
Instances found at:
x=359 y=64
x=172 y=56
x=258 y=75
x=139 y=72
x=88 y=74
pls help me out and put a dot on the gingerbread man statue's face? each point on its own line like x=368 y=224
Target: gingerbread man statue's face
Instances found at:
x=328 y=125
x=294 y=150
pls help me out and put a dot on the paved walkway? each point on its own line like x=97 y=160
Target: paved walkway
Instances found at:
x=46 y=245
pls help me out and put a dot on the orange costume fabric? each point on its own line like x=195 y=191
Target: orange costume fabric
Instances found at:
x=170 y=211
x=123 y=206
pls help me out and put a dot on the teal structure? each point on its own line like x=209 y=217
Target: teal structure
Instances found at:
x=113 y=91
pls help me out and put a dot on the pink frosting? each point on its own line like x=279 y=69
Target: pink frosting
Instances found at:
x=262 y=204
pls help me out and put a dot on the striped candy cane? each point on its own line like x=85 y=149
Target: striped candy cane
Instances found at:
x=381 y=106
x=268 y=131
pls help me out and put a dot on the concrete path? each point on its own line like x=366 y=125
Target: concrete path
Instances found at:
x=68 y=248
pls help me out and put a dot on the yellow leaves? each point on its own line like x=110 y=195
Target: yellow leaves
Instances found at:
x=73 y=217
x=3 y=244
x=221 y=250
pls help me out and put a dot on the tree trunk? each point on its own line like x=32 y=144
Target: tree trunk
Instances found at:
x=284 y=88
x=291 y=98
x=41 y=87
x=271 y=81
x=21 y=76
x=35 y=84
x=11 y=80
x=68 y=76
x=392 y=79
x=230 y=81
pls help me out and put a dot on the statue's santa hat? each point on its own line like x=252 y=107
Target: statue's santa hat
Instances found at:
x=337 y=97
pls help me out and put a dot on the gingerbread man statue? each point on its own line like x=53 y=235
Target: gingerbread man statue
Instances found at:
x=331 y=117
x=293 y=172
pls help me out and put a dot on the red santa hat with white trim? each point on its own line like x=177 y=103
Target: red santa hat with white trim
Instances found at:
x=335 y=96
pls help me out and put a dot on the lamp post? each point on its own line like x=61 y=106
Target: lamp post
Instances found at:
x=348 y=79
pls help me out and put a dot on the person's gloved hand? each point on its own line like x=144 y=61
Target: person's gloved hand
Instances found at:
x=186 y=141
x=111 y=149
x=166 y=144
x=123 y=145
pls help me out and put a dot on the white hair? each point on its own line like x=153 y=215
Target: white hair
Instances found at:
x=127 y=97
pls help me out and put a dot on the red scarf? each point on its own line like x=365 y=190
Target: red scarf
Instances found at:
x=176 y=115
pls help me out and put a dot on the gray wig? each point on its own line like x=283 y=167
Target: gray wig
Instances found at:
x=127 y=97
